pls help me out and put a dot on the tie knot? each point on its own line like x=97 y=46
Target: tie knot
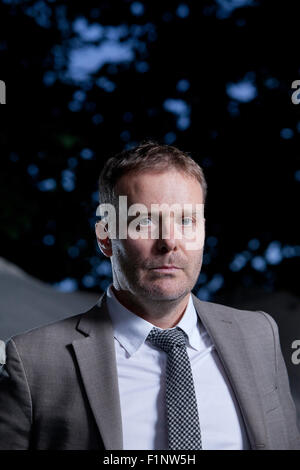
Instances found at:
x=167 y=339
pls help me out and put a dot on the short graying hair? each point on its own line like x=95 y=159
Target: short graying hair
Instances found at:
x=148 y=156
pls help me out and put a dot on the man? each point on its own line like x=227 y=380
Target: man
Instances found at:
x=150 y=366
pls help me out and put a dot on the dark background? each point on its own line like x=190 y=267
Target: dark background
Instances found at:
x=87 y=79
x=214 y=79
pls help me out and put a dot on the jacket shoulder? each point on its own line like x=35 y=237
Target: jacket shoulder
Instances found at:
x=58 y=332
x=256 y=319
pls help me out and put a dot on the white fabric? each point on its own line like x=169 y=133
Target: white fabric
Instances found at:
x=141 y=377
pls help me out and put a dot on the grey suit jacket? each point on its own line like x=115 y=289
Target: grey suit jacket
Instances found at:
x=59 y=386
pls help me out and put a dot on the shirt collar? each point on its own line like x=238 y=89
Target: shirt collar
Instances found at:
x=131 y=330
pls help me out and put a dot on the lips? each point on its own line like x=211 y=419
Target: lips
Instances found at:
x=166 y=269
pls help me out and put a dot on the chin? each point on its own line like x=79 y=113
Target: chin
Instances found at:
x=163 y=290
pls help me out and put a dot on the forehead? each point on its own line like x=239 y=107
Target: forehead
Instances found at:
x=156 y=187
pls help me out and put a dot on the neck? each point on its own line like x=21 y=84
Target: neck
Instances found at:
x=163 y=314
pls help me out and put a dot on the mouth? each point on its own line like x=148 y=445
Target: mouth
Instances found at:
x=166 y=269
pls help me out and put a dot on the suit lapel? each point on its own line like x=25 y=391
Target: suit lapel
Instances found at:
x=228 y=339
x=95 y=354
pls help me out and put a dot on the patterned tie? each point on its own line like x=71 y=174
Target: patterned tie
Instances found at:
x=182 y=412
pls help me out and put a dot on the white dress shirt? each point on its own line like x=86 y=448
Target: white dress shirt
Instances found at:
x=141 y=368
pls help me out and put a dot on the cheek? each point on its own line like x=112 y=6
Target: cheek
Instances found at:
x=194 y=259
x=138 y=248
x=132 y=249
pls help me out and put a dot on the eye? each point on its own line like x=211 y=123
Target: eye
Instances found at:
x=187 y=221
x=145 y=222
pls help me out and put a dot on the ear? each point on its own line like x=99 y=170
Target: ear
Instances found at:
x=103 y=239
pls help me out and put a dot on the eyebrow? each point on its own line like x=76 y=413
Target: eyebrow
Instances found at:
x=147 y=214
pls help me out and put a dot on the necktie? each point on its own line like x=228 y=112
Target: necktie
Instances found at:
x=182 y=412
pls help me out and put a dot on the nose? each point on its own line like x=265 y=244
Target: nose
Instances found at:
x=167 y=240
x=165 y=246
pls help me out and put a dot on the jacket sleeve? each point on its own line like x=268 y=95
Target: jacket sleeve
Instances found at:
x=284 y=391
x=15 y=402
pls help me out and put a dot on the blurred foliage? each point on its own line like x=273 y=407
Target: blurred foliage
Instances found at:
x=211 y=77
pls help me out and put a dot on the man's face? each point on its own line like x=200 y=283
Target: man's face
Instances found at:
x=136 y=263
